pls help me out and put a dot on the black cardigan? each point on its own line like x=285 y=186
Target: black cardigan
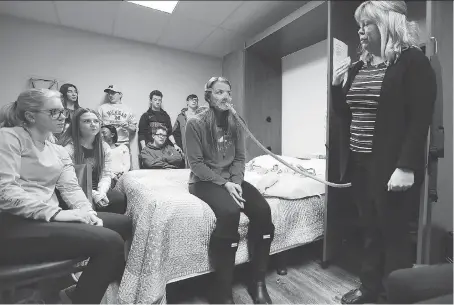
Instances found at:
x=404 y=114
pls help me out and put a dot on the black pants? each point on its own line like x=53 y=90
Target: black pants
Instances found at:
x=225 y=237
x=227 y=211
x=117 y=202
x=430 y=284
x=385 y=222
x=30 y=241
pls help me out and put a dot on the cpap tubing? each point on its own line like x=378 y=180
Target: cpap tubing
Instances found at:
x=243 y=125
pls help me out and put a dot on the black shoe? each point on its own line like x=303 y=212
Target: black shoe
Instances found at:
x=223 y=260
x=260 y=293
x=359 y=296
x=260 y=258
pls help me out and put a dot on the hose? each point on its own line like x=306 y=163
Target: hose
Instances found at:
x=245 y=128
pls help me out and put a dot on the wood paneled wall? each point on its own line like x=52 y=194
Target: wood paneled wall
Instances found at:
x=263 y=103
x=233 y=70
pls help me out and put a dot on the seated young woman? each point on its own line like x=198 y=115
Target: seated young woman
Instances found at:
x=33 y=227
x=84 y=144
x=216 y=151
x=120 y=155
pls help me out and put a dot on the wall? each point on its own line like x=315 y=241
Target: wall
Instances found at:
x=263 y=106
x=93 y=61
x=233 y=70
x=442 y=212
x=304 y=97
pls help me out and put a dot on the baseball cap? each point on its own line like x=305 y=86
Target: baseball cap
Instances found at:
x=113 y=88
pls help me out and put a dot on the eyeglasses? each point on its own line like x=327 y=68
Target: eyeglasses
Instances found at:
x=160 y=135
x=56 y=113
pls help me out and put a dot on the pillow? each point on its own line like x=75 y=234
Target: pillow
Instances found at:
x=284 y=185
x=265 y=163
x=290 y=186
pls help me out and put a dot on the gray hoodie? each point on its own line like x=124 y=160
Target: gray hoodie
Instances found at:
x=164 y=157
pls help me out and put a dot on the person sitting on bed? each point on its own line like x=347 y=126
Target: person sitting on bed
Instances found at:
x=83 y=142
x=159 y=153
x=215 y=150
x=121 y=161
x=33 y=228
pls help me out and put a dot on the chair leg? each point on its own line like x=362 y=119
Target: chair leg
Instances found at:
x=281 y=263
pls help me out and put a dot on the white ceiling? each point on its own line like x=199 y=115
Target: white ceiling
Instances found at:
x=212 y=28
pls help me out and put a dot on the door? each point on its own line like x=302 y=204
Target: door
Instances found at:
x=435 y=215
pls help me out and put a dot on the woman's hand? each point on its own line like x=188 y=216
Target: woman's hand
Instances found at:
x=76 y=215
x=95 y=220
x=401 y=180
x=339 y=72
x=100 y=199
x=236 y=192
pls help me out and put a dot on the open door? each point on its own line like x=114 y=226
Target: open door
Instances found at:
x=340 y=213
x=439 y=49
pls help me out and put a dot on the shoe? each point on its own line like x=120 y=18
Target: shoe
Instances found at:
x=223 y=253
x=260 y=258
x=67 y=295
x=260 y=293
x=359 y=296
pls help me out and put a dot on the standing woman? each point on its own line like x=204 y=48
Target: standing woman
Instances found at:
x=70 y=101
x=385 y=110
x=84 y=143
x=33 y=228
x=216 y=155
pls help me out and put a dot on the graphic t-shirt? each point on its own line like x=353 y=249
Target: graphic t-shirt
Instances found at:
x=120 y=116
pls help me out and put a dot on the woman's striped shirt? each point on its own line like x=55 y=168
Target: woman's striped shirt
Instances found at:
x=363 y=98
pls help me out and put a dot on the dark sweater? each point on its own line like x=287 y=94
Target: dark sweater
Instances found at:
x=403 y=117
x=178 y=129
x=225 y=164
x=150 y=120
x=164 y=157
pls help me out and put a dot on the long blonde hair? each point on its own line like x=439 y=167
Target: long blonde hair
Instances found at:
x=32 y=100
x=397 y=33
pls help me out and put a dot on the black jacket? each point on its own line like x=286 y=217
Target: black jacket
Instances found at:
x=404 y=114
x=149 y=120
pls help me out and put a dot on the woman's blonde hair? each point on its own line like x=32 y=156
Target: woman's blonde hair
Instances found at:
x=32 y=100
x=397 y=33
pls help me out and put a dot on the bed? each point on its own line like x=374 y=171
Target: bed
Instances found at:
x=172 y=228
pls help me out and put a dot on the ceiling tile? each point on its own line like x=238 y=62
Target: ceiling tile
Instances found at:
x=207 y=12
x=255 y=16
x=95 y=16
x=43 y=11
x=184 y=33
x=221 y=42
x=139 y=23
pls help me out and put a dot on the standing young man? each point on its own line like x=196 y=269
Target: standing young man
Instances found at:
x=119 y=115
x=192 y=102
x=154 y=117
